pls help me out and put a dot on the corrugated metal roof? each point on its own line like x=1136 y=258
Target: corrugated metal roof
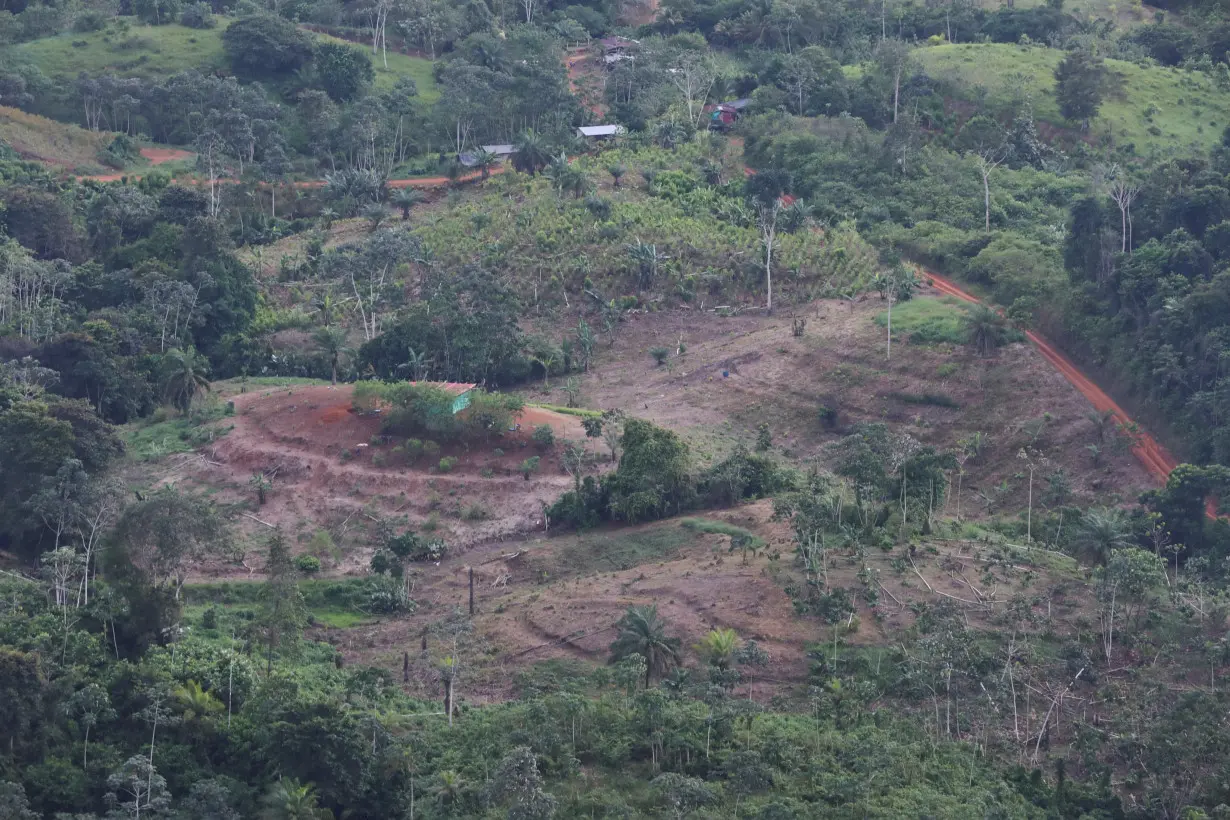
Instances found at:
x=600 y=130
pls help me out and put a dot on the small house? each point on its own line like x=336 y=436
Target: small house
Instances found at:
x=462 y=392
x=615 y=44
x=724 y=115
x=616 y=50
x=503 y=151
x=600 y=132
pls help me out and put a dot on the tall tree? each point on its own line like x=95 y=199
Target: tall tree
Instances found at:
x=331 y=341
x=642 y=632
x=183 y=377
x=283 y=613
x=1079 y=78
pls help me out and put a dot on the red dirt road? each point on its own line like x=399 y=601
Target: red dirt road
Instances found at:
x=1156 y=459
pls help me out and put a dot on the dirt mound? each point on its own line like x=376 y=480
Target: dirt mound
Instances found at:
x=333 y=470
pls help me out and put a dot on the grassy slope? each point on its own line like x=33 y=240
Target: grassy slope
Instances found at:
x=1193 y=110
x=38 y=138
x=154 y=52
x=149 y=52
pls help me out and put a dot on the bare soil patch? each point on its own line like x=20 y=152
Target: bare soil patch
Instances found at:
x=331 y=471
x=741 y=371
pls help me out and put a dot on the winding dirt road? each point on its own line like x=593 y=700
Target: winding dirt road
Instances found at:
x=1156 y=459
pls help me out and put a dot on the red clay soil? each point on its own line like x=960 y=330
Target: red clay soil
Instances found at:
x=577 y=59
x=1156 y=459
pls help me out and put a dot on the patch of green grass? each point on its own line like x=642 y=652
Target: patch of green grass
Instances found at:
x=232 y=387
x=603 y=552
x=708 y=525
x=339 y=618
x=928 y=321
x=418 y=69
x=148 y=52
x=159 y=436
x=156 y=52
x=333 y=602
x=570 y=411
x=1192 y=109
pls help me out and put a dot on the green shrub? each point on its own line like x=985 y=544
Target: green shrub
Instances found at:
x=528 y=467
x=708 y=525
x=947 y=369
x=475 y=512
x=543 y=437
x=936 y=399
x=447 y=464
x=307 y=564
x=659 y=354
x=431 y=449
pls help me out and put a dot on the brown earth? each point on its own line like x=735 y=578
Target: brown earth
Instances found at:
x=779 y=380
x=557 y=599
x=330 y=470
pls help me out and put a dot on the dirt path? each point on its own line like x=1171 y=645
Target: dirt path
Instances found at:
x=1156 y=459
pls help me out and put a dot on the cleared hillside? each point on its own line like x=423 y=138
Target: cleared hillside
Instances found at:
x=1155 y=108
x=154 y=52
x=55 y=143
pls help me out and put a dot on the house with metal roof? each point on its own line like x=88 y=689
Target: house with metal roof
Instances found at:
x=600 y=132
x=502 y=151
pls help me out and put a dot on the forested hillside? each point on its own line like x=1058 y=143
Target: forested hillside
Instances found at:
x=562 y=409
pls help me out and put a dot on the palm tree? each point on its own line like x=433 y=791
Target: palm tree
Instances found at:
x=531 y=153
x=196 y=702
x=1101 y=420
x=1100 y=532
x=617 y=171
x=183 y=376
x=332 y=342
x=328 y=307
x=484 y=161
x=407 y=198
x=449 y=790
x=567 y=177
x=718 y=647
x=642 y=632
x=985 y=329
x=419 y=365
x=288 y=799
x=375 y=214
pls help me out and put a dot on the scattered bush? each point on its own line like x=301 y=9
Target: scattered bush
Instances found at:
x=475 y=512
x=307 y=564
x=659 y=354
x=197 y=15
x=543 y=437
x=89 y=20
x=528 y=467
x=447 y=464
